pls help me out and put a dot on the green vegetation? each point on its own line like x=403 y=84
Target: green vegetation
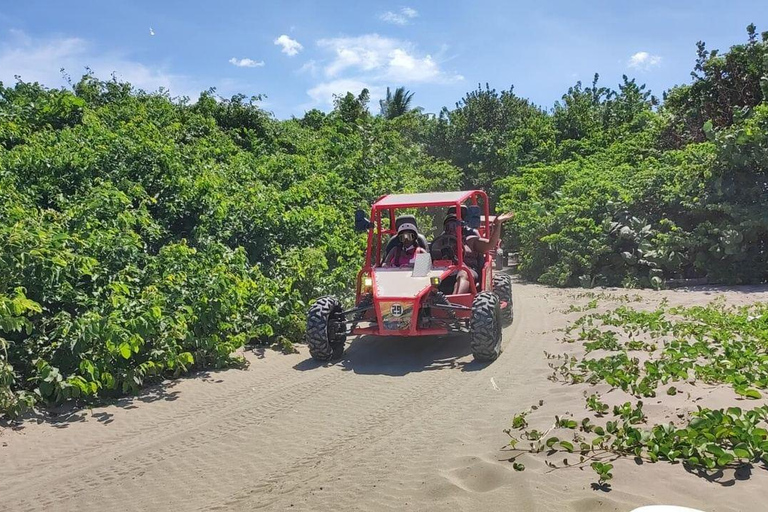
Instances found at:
x=710 y=345
x=397 y=104
x=713 y=344
x=615 y=187
x=142 y=236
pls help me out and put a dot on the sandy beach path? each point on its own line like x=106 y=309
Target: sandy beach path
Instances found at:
x=398 y=424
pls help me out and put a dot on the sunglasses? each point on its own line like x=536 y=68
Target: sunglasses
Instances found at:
x=406 y=237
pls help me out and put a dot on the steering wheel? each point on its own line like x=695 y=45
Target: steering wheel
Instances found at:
x=444 y=247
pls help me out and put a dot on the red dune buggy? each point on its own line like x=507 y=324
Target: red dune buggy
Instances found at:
x=418 y=300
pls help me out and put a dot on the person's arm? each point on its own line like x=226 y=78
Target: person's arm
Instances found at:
x=484 y=245
x=388 y=257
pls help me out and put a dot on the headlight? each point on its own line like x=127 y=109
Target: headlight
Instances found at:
x=367 y=282
x=434 y=281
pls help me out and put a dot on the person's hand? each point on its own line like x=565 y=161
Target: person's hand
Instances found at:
x=504 y=217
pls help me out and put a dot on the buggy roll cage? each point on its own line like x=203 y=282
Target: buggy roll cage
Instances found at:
x=385 y=207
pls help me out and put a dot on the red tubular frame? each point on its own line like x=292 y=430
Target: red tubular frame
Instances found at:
x=485 y=275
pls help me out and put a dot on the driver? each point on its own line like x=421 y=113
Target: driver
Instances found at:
x=473 y=246
x=404 y=253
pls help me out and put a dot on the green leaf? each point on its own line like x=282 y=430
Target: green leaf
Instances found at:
x=715 y=450
x=707 y=128
x=567 y=446
x=551 y=441
x=742 y=453
x=125 y=350
x=724 y=459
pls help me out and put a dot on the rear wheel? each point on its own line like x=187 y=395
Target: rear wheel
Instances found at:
x=502 y=286
x=326 y=329
x=485 y=327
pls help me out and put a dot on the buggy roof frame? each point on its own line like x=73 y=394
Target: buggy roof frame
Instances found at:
x=424 y=199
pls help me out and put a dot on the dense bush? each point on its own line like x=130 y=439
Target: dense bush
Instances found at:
x=616 y=187
x=635 y=197
x=142 y=237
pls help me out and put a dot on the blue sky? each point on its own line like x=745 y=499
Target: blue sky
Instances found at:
x=299 y=53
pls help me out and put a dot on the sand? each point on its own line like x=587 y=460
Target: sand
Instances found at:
x=398 y=424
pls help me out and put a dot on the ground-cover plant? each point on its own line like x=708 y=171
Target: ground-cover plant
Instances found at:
x=678 y=346
x=714 y=344
x=710 y=439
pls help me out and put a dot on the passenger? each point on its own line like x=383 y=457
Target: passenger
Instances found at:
x=474 y=247
x=468 y=231
x=404 y=253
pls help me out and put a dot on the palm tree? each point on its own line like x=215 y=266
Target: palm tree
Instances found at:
x=396 y=104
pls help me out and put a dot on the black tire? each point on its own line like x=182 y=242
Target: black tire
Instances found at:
x=326 y=329
x=502 y=286
x=485 y=327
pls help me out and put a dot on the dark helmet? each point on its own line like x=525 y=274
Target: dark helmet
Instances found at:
x=451 y=215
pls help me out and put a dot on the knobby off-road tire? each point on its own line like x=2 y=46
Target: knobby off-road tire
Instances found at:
x=485 y=327
x=326 y=329
x=502 y=286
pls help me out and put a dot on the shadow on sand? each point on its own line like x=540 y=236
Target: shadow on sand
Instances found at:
x=398 y=356
x=726 y=477
x=62 y=416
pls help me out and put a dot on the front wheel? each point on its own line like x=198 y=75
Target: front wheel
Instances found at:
x=485 y=327
x=326 y=329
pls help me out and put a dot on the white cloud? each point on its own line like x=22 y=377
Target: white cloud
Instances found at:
x=322 y=94
x=407 y=68
x=290 y=46
x=403 y=17
x=41 y=60
x=374 y=62
x=364 y=53
x=382 y=59
x=309 y=67
x=644 y=61
x=246 y=63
